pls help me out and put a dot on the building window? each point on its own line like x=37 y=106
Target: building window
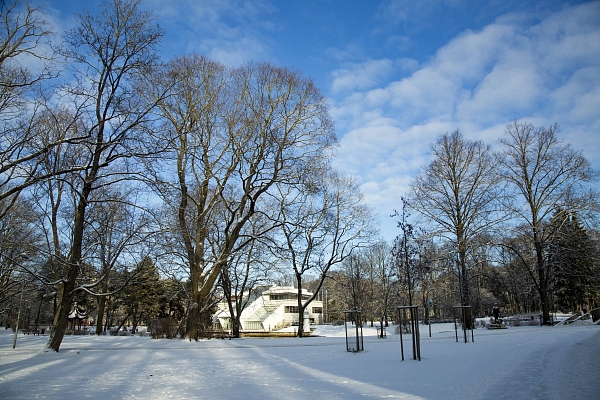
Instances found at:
x=253 y=326
x=317 y=310
x=287 y=296
x=283 y=296
x=291 y=309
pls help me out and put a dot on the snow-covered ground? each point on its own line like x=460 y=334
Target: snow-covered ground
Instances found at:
x=529 y=362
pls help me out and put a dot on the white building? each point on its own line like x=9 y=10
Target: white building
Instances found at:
x=275 y=309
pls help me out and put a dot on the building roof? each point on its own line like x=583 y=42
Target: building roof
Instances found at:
x=285 y=289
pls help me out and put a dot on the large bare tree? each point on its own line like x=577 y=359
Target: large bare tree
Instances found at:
x=234 y=133
x=109 y=56
x=457 y=192
x=546 y=175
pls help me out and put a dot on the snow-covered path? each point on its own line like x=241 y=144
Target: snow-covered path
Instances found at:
x=519 y=362
x=566 y=368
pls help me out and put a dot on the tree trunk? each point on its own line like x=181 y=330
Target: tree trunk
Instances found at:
x=235 y=326
x=192 y=330
x=135 y=321
x=300 y=307
x=116 y=332
x=100 y=317
x=235 y=310
x=543 y=278
x=234 y=305
x=465 y=291
x=66 y=290
x=61 y=317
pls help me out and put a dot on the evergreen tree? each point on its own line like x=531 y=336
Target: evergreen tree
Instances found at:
x=572 y=257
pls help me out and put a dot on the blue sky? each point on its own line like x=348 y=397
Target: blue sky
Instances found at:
x=399 y=73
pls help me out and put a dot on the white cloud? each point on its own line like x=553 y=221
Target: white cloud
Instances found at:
x=364 y=76
x=578 y=99
x=228 y=32
x=503 y=94
x=232 y=52
x=478 y=83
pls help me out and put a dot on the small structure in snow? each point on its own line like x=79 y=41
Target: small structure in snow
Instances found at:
x=78 y=317
x=467 y=318
x=414 y=328
x=354 y=335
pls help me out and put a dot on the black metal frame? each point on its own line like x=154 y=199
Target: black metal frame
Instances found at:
x=414 y=324
x=358 y=345
x=464 y=324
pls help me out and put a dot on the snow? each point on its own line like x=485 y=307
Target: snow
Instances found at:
x=525 y=362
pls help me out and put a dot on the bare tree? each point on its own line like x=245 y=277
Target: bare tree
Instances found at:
x=19 y=240
x=458 y=193
x=110 y=56
x=247 y=270
x=407 y=253
x=321 y=225
x=380 y=273
x=196 y=120
x=354 y=283
x=25 y=62
x=234 y=135
x=366 y=280
x=546 y=175
x=24 y=42
x=117 y=236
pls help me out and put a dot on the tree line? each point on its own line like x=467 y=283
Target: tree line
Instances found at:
x=141 y=188
x=122 y=158
x=519 y=209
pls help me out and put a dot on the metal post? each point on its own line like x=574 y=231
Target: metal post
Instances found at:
x=418 y=334
x=401 y=315
x=464 y=310
x=356 y=322
x=414 y=311
x=429 y=316
x=455 y=328
x=346 y=330
x=473 y=322
x=414 y=326
x=18 y=316
x=326 y=319
x=464 y=325
x=357 y=342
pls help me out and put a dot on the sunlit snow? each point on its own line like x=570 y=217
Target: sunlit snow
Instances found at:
x=525 y=362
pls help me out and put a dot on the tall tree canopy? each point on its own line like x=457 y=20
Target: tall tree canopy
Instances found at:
x=544 y=174
x=233 y=134
x=458 y=192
